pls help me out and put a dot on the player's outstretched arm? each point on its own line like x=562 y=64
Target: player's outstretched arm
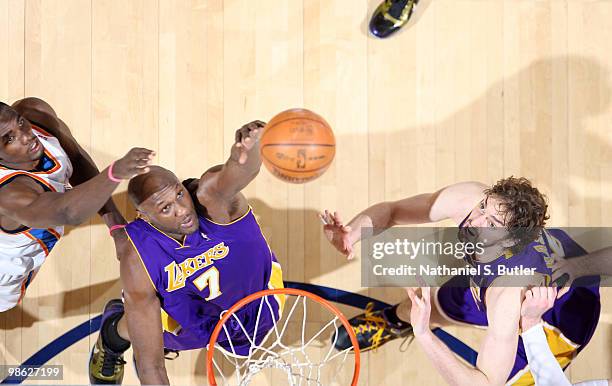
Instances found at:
x=452 y=202
x=219 y=187
x=142 y=309
x=499 y=347
x=24 y=200
x=39 y=112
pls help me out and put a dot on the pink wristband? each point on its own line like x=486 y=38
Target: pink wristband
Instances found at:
x=114 y=228
x=110 y=173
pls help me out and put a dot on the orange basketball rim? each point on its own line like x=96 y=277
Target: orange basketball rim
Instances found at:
x=210 y=365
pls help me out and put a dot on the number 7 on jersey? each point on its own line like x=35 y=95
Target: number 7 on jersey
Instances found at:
x=209 y=279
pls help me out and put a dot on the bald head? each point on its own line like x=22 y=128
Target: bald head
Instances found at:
x=145 y=185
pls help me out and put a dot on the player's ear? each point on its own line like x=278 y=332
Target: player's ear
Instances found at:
x=142 y=215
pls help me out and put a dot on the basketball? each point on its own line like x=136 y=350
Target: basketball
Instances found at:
x=297 y=146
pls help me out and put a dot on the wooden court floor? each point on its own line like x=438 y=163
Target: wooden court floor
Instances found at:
x=471 y=90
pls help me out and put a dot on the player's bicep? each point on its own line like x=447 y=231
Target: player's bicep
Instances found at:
x=31 y=206
x=222 y=203
x=455 y=201
x=498 y=351
x=412 y=210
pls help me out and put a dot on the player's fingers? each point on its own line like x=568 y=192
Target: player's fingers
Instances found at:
x=142 y=171
x=135 y=150
x=552 y=295
x=247 y=143
x=143 y=153
x=334 y=218
x=418 y=301
x=528 y=295
x=545 y=292
x=535 y=291
x=426 y=293
x=420 y=281
x=137 y=166
x=237 y=137
x=252 y=137
x=411 y=294
x=562 y=292
x=241 y=136
x=326 y=218
x=346 y=229
x=243 y=157
x=337 y=216
x=330 y=218
x=135 y=156
x=143 y=162
x=322 y=218
x=348 y=248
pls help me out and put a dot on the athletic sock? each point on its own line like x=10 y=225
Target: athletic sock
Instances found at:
x=110 y=336
x=390 y=315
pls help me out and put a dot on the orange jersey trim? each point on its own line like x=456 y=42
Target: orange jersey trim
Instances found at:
x=40 y=242
x=27 y=174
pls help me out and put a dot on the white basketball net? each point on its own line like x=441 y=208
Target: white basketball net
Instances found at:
x=306 y=359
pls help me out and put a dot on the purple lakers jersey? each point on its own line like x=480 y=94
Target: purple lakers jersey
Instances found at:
x=206 y=274
x=569 y=324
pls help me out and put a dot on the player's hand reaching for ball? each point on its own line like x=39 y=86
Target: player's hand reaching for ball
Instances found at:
x=537 y=301
x=135 y=162
x=247 y=138
x=337 y=233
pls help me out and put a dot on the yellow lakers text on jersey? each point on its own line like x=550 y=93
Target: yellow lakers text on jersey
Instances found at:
x=178 y=273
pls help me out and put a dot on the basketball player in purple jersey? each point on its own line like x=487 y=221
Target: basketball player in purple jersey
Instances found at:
x=40 y=161
x=195 y=250
x=510 y=216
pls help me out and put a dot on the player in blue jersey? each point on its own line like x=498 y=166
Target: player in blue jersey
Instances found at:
x=509 y=219
x=195 y=250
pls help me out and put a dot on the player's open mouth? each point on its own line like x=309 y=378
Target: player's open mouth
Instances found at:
x=187 y=223
x=34 y=147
